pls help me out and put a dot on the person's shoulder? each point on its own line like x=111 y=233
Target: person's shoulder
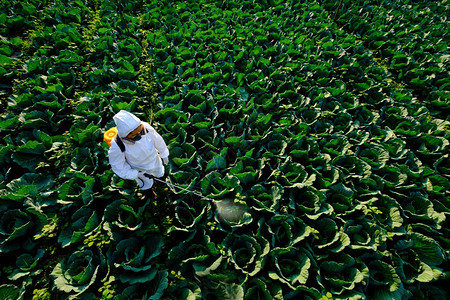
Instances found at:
x=148 y=127
x=114 y=146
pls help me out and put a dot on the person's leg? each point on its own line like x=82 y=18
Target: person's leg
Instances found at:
x=147 y=189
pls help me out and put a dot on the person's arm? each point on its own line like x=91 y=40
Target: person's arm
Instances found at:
x=159 y=143
x=119 y=164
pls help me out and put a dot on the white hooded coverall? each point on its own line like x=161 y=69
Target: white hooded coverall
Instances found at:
x=139 y=157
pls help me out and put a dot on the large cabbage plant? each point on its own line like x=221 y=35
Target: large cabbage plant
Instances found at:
x=74 y=274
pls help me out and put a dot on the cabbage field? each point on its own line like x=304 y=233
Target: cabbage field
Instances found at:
x=326 y=123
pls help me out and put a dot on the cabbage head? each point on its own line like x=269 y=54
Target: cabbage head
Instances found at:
x=132 y=259
x=77 y=272
x=248 y=254
x=84 y=222
x=11 y=292
x=17 y=228
x=152 y=290
x=292 y=267
x=196 y=253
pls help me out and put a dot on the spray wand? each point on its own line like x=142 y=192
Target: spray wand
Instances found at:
x=179 y=187
x=227 y=210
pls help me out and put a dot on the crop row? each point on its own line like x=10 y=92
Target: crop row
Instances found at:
x=409 y=40
x=305 y=123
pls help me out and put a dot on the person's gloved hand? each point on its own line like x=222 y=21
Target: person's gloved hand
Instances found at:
x=149 y=176
x=165 y=160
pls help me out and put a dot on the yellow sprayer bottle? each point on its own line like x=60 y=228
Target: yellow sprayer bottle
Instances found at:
x=109 y=135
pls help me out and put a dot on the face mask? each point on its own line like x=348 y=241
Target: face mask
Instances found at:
x=137 y=137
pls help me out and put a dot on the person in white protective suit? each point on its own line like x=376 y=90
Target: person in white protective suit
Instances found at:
x=137 y=151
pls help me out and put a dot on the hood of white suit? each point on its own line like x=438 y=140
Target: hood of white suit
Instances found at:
x=126 y=122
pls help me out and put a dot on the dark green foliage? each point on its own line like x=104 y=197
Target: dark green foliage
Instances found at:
x=320 y=128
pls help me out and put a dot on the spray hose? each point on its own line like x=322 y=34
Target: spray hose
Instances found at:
x=176 y=186
x=225 y=211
